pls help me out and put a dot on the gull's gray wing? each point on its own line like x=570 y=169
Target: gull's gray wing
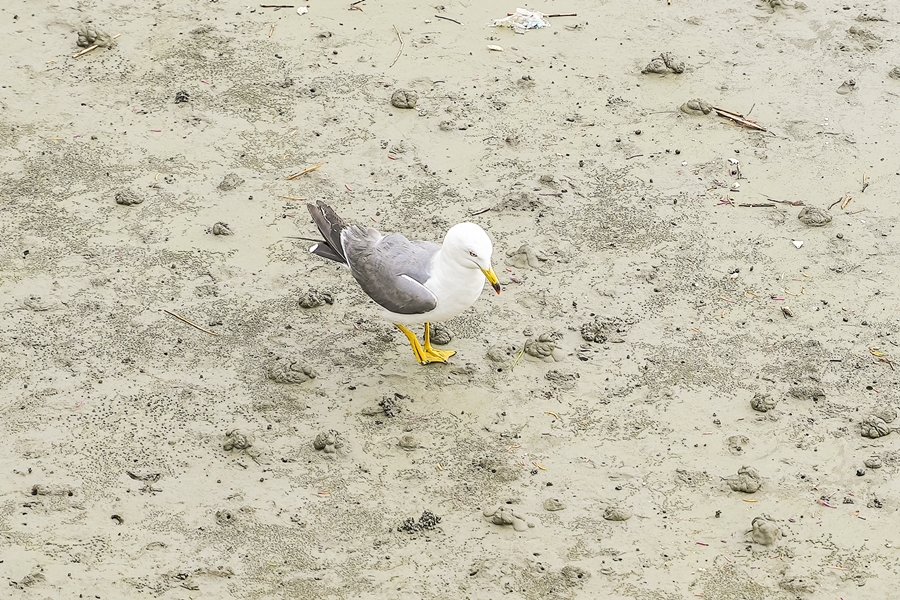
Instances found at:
x=391 y=269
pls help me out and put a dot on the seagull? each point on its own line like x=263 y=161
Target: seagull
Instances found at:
x=414 y=281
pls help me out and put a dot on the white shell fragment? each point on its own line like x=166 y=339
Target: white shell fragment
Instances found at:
x=494 y=48
x=302 y=10
x=797 y=243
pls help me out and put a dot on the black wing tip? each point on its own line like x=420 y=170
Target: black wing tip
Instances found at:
x=321 y=207
x=330 y=226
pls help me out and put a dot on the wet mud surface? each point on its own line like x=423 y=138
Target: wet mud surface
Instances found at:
x=687 y=387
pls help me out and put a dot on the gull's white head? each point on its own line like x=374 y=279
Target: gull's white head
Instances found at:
x=469 y=245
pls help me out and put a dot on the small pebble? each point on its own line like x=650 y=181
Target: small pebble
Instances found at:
x=552 y=504
x=408 y=442
x=873 y=462
x=617 y=513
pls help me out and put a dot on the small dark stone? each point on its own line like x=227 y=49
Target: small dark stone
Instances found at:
x=182 y=96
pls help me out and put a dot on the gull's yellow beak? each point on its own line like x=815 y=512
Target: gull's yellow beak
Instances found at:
x=492 y=278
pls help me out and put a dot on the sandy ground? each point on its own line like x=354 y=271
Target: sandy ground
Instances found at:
x=277 y=451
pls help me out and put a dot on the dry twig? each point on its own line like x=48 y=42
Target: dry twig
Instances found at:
x=838 y=201
x=738 y=119
x=518 y=358
x=92 y=47
x=788 y=202
x=180 y=318
x=86 y=50
x=399 y=37
x=304 y=172
x=447 y=19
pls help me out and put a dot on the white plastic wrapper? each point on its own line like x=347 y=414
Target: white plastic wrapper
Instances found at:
x=522 y=20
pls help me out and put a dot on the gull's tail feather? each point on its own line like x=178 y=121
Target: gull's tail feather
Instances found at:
x=330 y=226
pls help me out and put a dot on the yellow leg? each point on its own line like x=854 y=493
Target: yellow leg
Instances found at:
x=427 y=354
x=431 y=352
x=414 y=342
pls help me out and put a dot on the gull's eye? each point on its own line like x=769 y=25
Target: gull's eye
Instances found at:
x=473 y=254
